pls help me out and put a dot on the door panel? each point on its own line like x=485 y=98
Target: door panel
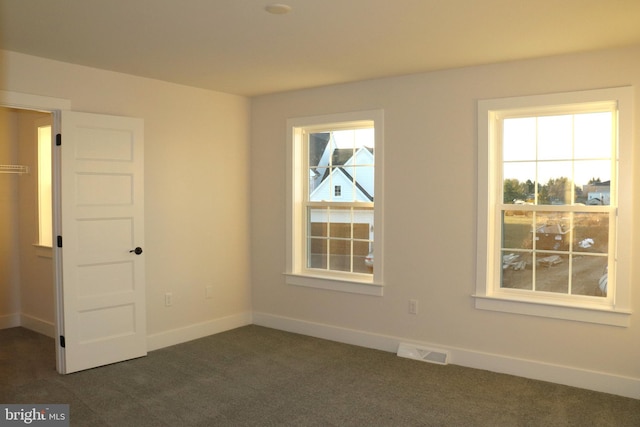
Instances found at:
x=102 y=220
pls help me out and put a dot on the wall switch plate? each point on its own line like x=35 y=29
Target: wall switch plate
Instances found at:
x=208 y=292
x=168 y=299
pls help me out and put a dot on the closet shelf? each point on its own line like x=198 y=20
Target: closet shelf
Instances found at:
x=19 y=169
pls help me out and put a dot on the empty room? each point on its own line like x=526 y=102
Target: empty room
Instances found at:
x=362 y=212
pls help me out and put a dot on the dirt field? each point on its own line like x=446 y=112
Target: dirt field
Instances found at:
x=587 y=268
x=587 y=271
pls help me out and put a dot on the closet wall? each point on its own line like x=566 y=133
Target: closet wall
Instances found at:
x=9 y=260
x=26 y=271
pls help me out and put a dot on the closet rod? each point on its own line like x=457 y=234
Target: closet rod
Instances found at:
x=19 y=169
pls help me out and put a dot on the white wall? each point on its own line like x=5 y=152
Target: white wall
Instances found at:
x=197 y=167
x=196 y=187
x=430 y=241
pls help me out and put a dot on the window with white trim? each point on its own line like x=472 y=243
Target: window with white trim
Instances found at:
x=334 y=180
x=554 y=202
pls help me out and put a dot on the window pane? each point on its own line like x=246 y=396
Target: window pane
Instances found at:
x=516 y=270
x=555 y=183
x=552 y=273
x=340 y=220
x=516 y=229
x=341 y=156
x=318 y=143
x=340 y=255
x=317 y=251
x=342 y=159
x=339 y=230
x=519 y=139
x=519 y=182
x=591 y=232
x=555 y=137
x=364 y=181
x=595 y=177
x=360 y=250
x=340 y=238
x=589 y=276
x=317 y=159
x=593 y=136
x=552 y=231
x=318 y=229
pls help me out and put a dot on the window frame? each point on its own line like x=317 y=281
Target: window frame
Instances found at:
x=296 y=272
x=613 y=310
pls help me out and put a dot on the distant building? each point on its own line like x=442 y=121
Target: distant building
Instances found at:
x=598 y=193
x=341 y=175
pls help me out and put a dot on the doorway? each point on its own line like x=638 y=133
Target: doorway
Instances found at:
x=27 y=273
x=98 y=201
x=26 y=263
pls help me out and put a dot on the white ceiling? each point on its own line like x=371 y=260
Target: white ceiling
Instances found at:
x=235 y=46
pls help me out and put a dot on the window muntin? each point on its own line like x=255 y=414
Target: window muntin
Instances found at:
x=330 y=235
x=498 y=198
x=339 y=223
x=557 y=239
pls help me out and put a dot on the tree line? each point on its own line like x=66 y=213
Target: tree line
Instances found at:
x=555 y=191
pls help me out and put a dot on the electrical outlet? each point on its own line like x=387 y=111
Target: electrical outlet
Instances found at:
x=168 y=299
x=208 y=292
x=413 y=306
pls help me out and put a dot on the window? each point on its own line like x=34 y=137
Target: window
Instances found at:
x=334 y=182
x=45 y=222
x=554 y=204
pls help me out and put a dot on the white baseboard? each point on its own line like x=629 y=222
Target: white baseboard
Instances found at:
x=198 y=330
x=9 y=320
x=27 y=321
x=43 y=327
x=591 y=380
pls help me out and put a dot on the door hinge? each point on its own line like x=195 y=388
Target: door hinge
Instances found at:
x=58 y=139
x=59 y=242
x=62 y=343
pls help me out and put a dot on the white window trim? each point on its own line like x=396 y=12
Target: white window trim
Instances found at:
x=295 y=274
x=617 y=312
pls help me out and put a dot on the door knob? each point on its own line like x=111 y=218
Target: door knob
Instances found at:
x=137 y=250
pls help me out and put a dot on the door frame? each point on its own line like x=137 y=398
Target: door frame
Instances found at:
x=53 y=106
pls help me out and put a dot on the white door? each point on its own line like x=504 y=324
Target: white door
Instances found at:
x=101 y=222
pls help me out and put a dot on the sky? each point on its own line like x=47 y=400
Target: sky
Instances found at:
x=354 y=137
x=547 y=144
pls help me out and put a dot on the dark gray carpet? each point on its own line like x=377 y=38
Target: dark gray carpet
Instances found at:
x=255 y=376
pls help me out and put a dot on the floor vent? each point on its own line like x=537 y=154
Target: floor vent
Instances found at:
x=423 y=354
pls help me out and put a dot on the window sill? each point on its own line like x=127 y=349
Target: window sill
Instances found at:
x=332 y=284
x=590 y=314
x=43 y=251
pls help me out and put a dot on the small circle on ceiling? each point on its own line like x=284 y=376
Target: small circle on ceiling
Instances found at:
x=278 y=9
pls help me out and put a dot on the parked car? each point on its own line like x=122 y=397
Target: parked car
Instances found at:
x=602 y=283
x=368 y=260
